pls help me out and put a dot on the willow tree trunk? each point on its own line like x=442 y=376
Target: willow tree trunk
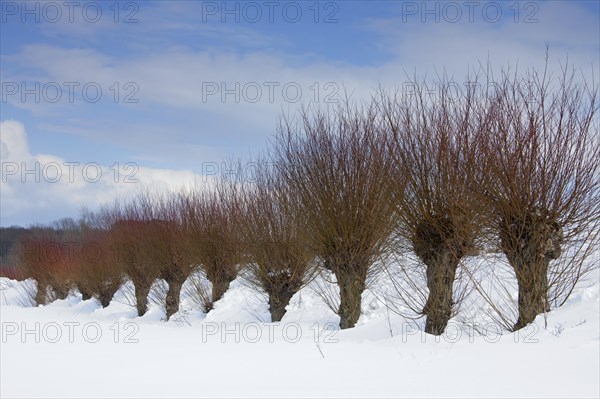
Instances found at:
x=104 y=297
x=530 y=243
x=107 y=290
x=351 y=286
x=440 y=245
x=141 y=298
x=532 y=278
x=173 y=297
x=277 y=304
x=40 y=296
x=280 y=296
x=219 y=288
x=85 y=294
x=441 y=272
x=61 y=292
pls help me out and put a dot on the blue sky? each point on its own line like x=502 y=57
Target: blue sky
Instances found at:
x=162 y=68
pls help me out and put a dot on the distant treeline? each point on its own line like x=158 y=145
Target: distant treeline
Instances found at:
x=10 y=237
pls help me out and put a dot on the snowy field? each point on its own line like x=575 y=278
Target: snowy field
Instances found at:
x=75 y=348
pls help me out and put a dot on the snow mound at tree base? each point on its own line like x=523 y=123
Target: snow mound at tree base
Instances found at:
x=74 y=348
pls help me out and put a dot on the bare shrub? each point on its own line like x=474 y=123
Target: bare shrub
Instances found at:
x=278 y=260
x=543 y=187
x=434 y=148
x=336 y=166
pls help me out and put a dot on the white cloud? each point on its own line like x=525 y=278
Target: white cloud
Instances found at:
x=43 y=187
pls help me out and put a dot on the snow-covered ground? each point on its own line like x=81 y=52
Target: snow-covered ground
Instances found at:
x=74 y=348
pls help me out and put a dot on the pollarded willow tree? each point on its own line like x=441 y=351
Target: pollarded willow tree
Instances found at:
x=99 y=272
x=47 y=256
x=212 y=219
x=278 y=258
x=434 y=145
x=335 y=164
x=139 y=237
x=175 y=253
x=544 y=184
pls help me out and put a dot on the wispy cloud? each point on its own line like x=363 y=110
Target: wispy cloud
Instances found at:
x=35 y=187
